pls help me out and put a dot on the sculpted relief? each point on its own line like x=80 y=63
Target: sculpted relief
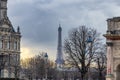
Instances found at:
x=116 y=51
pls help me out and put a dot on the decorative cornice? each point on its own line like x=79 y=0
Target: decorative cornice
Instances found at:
x=116 y=57
x=3 y=0
x=109 y=43
x=112 y=36
x=114 y=19
x=3 y=8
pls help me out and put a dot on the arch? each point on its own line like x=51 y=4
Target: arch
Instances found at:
x=116 y=64
x=118 y=72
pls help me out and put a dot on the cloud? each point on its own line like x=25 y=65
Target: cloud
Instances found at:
x=39 y=19
x=29 y=50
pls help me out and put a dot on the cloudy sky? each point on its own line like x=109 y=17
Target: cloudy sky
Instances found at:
x=39 y=20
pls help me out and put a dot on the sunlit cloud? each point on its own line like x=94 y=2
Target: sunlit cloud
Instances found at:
x=26 y=53
x=29 y=49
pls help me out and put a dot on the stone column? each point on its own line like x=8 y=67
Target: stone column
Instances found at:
x=109 y=75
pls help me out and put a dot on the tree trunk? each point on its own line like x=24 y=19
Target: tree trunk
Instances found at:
x=82 y=77
x=100 y=75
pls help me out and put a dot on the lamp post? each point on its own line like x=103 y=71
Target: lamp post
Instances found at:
x=89 y=41
x=46 y=61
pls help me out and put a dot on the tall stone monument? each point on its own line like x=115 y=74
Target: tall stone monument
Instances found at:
x=59 y=59
x=9 y=45
x=113 y=48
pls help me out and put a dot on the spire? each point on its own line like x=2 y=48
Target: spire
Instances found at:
x=18 y=29
x=59 y=29
x=59 y=36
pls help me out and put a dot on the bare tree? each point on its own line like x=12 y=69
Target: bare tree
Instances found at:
x=80 y=48
x=101 y=62
x=35 y=67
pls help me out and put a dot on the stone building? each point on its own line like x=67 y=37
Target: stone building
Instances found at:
x=113 y=48
x=9 y=45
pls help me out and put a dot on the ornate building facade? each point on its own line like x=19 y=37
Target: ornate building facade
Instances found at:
x=113 y=48
x=9 y=45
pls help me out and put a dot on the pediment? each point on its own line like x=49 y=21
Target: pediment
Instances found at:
x=5 y=21
x=5 y=26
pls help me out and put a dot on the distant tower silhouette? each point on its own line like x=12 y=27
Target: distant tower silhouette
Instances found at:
x=59 y=58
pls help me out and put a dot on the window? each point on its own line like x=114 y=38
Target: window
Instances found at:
x=8 y=45
x=1 y=43
x=15 y=45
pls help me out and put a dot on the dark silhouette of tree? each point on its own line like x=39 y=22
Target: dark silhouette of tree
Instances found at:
x=80 y=48
x=35 y=67
x=101 y=62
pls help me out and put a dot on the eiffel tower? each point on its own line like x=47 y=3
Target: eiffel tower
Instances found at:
x=59 y=59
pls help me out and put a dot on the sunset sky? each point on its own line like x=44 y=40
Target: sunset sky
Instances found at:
x=39 y=20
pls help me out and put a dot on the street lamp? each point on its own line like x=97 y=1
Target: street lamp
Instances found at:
x=89 y=41
x=46 y=59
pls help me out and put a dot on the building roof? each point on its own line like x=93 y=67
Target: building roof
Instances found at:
x=115 y=19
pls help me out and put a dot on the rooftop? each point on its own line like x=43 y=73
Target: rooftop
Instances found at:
x=115 y=19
